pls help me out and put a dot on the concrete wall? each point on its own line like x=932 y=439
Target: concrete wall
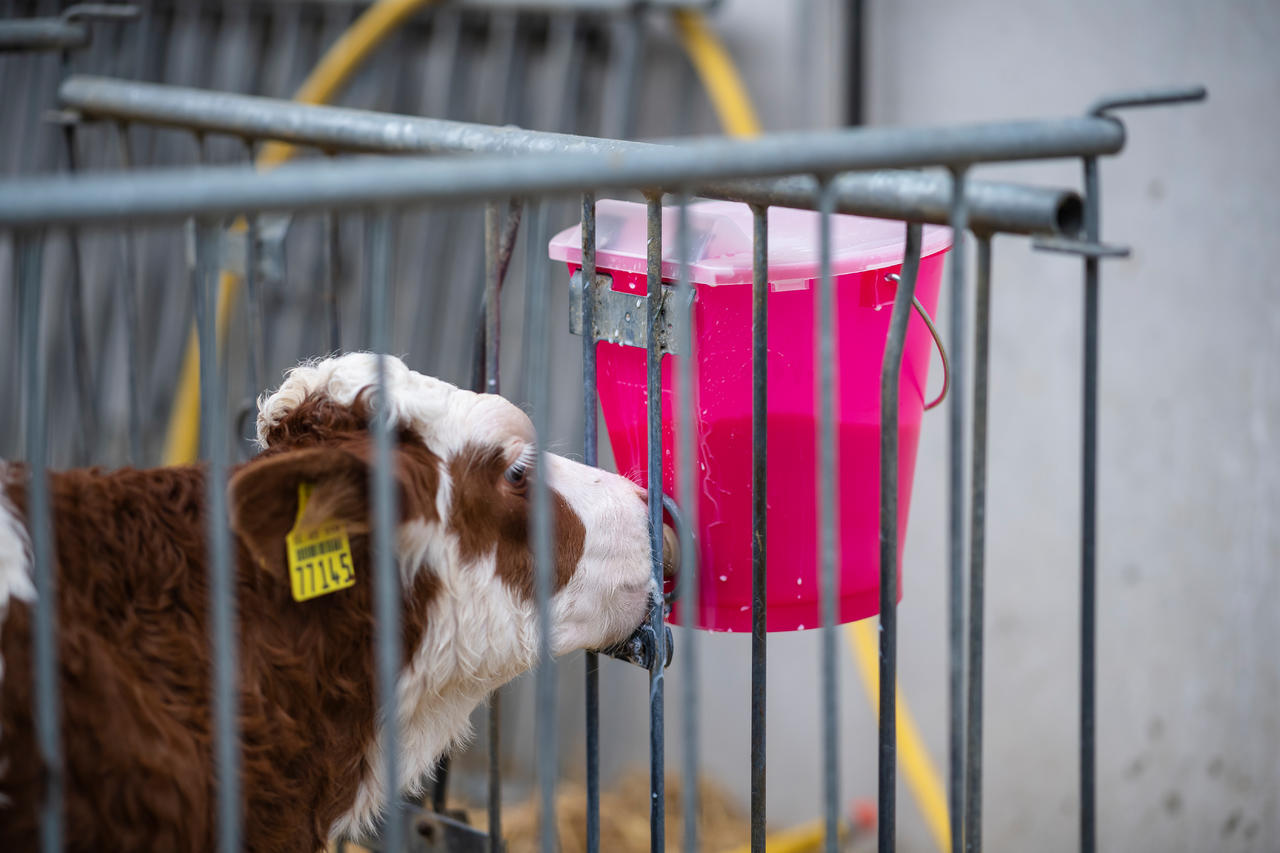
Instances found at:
x=1189 y=483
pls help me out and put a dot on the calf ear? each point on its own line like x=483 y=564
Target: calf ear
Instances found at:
x=263 y=499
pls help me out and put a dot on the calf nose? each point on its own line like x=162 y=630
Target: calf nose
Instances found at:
x=670 y=551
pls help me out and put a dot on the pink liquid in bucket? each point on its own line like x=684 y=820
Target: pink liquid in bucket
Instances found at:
x=867 y=252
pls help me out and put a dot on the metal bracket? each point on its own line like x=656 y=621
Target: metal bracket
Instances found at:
x=641 y=647
x=1084 y=248
x=63 y=32
x=439 y=833
x=622 y=318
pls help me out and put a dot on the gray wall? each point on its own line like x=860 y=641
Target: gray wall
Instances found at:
x=1189 y=484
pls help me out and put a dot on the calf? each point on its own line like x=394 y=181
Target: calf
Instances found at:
x=132 y=604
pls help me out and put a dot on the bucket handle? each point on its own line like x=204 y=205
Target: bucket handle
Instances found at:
x=937 y=341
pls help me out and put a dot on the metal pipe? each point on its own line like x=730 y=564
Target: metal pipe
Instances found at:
x=86 y=396
x=221 y=576
x=977 y=551
x=590 y=450
x=759 y=514
x=28 y=261
x=130 y=281
x=955 y=522
x=253 y=298
x=826 y=393
x=388 y=637
x=316 y=185
x=42 y=34
x=537 y=379
x=492 y=331
x=686 y=416
x=1089 y=517
x=332 y=272
x=996 y=207
x=890 y=377
x=653 y=361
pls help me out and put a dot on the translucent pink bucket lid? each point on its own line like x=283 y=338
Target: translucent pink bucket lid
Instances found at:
x=720 y=234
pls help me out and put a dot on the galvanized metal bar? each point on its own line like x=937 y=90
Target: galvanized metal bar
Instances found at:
x=1089 y=517
x=590 y=450
x=657 y=690
x=537 y=380
x=759 y=514
x=890 y=377
x=332 y=272
x=253 y=296
x=492 y=327
x=826 y=394
x=977 y=551
x=996 y=207
x=86 y=395
x=686 y=415
x=28 y=253
x=42 y=34
x=129 y=284
x=221 y=575
x=388 y=637
x=955 y=519
x=492 y=293
x=626 y=48
x=217 y=191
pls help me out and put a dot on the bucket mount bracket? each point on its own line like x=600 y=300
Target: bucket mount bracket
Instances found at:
x=622 y=318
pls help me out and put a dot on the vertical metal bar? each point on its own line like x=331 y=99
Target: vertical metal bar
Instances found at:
x=657 y=734
x=538 y=390
x=890 y=376
x=1089 y=513
x=28 y=254
x=856 y=68
x=827 y=397
x=590 y=449
x=626 y=48
x=759 y=513
x=492 y=285
x=977 y=552
x=686 y=417
x=955 y=519
x=86 y=397
x=332 y=270
x=492 y=330
x=129 y=284
x=387 y=592
x=253 y=296
x=221 y=578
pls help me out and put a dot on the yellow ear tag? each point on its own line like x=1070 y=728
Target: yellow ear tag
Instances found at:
x=320 y=559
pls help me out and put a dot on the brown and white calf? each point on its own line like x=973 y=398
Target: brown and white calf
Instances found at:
x=131 y=578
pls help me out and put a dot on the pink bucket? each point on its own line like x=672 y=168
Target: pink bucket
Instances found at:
x=867 y=254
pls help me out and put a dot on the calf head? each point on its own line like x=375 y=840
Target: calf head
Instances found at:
x=464 y=463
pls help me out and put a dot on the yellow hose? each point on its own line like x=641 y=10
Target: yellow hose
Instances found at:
x=333 y=71
x=732 y=104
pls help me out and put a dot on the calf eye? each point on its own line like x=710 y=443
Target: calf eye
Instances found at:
x=516 y=474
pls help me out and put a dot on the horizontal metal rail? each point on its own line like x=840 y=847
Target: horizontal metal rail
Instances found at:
x=181 y=193
x=994 y=206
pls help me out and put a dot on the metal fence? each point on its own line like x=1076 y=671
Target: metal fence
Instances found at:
x=827 y=171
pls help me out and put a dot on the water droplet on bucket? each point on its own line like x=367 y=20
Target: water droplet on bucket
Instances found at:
x=744 y=608
x=799 y=627
x=799 y=581
x=724 y=577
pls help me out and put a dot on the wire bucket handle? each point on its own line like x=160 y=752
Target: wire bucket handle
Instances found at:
x=937 y=341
